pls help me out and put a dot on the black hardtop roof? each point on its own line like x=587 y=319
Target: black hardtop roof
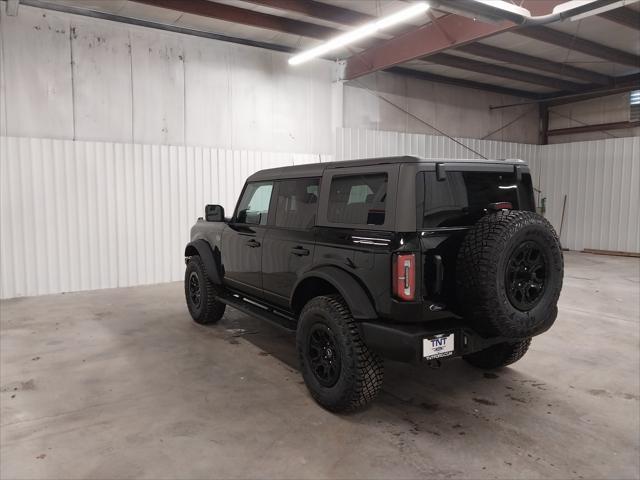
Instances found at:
x=316 y=169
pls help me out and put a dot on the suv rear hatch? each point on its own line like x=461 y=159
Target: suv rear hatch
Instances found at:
x=450 y=201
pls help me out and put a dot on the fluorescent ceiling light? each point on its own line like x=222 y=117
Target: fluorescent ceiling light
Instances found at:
x=359 y=33
x=506 y=6
x=570 y=5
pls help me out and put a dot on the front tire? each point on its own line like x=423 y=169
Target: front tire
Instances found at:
x=500 y=355
x=340 y=371
x=201 y=293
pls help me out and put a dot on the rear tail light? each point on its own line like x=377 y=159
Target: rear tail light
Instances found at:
x=404 y=276
x=501 y=206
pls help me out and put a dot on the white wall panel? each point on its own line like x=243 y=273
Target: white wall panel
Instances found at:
x=81 y=78
x=158 y=88
x=87 y=215
x=102 y=80
x=37 y=74
x=601 y=179
x=461 y=112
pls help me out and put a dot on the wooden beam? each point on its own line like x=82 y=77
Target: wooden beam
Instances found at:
x=460 y=82
x=242 y=16
x=624 y=16
x=502 y=72
x=593 y=128
x=555 y=37
x=529 y=61
x=429 y=39
x=314 y=9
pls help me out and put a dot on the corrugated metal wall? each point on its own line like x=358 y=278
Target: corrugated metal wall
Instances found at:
x=601 y=178
x=87 y=215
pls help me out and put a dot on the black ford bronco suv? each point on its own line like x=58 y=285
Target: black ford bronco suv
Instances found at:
x=410 y=259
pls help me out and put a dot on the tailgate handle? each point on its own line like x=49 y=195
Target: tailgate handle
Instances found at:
x=253 y=243
x=437 y=260
x=300 y=251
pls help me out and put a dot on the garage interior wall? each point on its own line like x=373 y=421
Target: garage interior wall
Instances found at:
x=71 y=77
x=79 y=215
x=597 y=111
x=460 y=112
x=111 y=147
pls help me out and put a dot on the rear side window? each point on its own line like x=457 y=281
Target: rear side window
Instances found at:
x=297 y=202
x=358 y=199
x=463 y=197
x=254 y=205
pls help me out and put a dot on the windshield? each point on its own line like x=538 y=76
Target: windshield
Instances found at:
x=463 y=197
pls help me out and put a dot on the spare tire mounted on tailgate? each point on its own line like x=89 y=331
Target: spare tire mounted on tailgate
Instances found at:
x=509 y=274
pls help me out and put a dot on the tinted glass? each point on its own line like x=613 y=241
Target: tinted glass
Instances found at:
x=358 y=199
x=254 y=206
x=463 y=197
x=297 y=202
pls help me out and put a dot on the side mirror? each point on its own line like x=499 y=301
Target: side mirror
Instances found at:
x=214 y=213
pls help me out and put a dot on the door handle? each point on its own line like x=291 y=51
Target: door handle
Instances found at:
x=300 y=251
x=253 y=243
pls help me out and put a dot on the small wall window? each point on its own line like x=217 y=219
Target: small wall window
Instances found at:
x=358 y=199
x=634 y=106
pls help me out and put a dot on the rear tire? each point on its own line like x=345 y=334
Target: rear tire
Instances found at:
x=499 y=355
x=509 y=274
x=201 y=293
x=340 y=371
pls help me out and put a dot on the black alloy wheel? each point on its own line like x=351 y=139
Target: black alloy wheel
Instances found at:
x=323 y=354
x=195 y=293
x=525 y=276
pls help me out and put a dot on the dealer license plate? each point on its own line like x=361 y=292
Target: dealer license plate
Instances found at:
x=438 y=346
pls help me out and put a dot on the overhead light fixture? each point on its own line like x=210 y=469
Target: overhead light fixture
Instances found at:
x=506 y=6
x=571 y=9
x=359 y=33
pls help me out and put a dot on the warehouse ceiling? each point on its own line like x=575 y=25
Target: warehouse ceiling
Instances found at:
x=580 y=58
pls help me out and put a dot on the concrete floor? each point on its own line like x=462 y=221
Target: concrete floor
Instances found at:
x=120 y=383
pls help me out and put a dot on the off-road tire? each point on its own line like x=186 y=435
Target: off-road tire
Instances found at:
x=209 y=310
x=499 y=355
x=361 y=370
x=481 y=274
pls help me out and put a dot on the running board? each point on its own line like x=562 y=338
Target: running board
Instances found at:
x=255 y=309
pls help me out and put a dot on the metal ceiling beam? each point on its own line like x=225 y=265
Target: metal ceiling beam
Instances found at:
x=459 y=82
x=433 y=37
x=464 y=63
x=561 y=39
x=66 y=8
x=314 y=9
x=625 y=16
x=229 y=13
x=622 y=84
x=419 y=42
x=593 y=128
x=529 y=61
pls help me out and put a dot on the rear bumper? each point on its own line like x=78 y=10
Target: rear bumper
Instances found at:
x=404 y=342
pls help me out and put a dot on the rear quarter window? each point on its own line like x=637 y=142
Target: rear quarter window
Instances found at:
x=358 y=199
